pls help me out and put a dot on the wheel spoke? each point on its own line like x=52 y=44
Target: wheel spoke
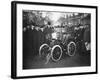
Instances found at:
x=71 y=48
x=56 y=53
x=43 y=51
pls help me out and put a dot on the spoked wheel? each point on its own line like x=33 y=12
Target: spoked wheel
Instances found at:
x=43 y=50
x=71 y=48
x=56 y=53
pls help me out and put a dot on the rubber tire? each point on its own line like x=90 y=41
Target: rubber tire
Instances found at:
x=68 y=48
x=41 y=48
x=52 y=53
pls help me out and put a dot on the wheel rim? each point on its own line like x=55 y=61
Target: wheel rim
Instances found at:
x=56 y=53
x=71 y=48
x=43 y=50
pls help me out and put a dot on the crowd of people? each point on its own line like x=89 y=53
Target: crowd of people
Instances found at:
x=32 y=38
x=83 y=37
x=35 y=36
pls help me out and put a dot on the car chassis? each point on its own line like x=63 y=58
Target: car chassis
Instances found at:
x=59 y=43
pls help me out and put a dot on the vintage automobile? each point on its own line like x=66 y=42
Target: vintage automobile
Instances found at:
x=60 y=41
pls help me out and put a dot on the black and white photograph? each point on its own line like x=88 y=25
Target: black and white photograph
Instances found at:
x=53 y=39
x=56 y=39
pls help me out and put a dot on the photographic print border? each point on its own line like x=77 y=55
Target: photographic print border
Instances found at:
x=14 y=37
